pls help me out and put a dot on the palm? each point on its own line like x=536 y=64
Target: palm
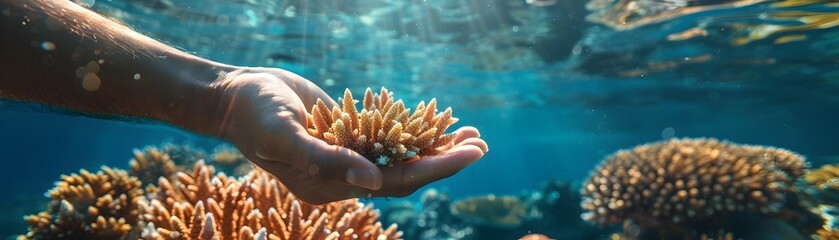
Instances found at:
x=267 y=121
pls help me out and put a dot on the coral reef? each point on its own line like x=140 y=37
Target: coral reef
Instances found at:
x=821 y=175
x=199 y=204
x=830 y=230
x=184 y=155
x=205 y=205
x=629 y=14
x=688 y=180
x=384 y=131
x=491 y=211
x=433 y=219
x=228 y=159
x=402 y=213
x=552 y=210
x=151 y=164
x=101 y=205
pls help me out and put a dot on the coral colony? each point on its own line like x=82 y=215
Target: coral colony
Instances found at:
x=674 y=189
x=384 y=131
x=682 y=188
x=196 y=204
x=687 y=180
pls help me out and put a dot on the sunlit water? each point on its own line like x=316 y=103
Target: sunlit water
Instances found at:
x=551 y=92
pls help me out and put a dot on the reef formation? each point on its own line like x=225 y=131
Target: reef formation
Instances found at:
x=101 y=205
x=674 y=189
x=384 y=131
x=695 y=188
x=552 y=211
x=193 y=204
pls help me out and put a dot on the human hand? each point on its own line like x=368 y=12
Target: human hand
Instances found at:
x=263 y=112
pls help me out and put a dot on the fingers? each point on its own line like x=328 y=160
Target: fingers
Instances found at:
x=404 y=179
x=337 y=164
x=466 y=132
x=477 y=142
x=469 y=135
x=309 y=93
x=315 y=93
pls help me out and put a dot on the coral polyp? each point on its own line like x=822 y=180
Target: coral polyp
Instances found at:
x=384 y=131
x=688 y=180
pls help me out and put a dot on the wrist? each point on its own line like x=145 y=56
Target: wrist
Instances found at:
x=199 y=96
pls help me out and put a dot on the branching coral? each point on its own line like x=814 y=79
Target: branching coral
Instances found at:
x=689 y=180
x=204 y=205
x=491 y=211
x=87 y=205
x=822 y=175
x=151 y=164
x=184 y=155
x=384 y=131
x=229 y=160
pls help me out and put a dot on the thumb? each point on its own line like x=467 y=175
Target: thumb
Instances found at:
x=338 y=164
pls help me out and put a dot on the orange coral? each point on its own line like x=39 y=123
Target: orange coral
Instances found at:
x=229 y=160
x=689 y=180
x=822 y=175
x=491 y=211
x=100 y=205
x=827 y=234
x=384 y=131
x=151 y=164
x=205 y=205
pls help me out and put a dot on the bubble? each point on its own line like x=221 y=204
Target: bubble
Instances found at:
x=515 y=28
x=92 y=67
x=577 y=50
x=668 y=133
x=48 y=46
x=290 y=12
x=137 y=76
x=329 y=82
x=313 y=169
x=91 y=82
x=100 y=61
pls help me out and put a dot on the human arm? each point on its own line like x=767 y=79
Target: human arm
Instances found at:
x=59 y=53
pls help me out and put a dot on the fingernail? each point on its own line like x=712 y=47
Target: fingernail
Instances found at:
x=363 y=178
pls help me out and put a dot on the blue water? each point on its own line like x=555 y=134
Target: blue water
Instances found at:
x=551 y=93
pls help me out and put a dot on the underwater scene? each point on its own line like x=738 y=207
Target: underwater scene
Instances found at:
x=604 y=119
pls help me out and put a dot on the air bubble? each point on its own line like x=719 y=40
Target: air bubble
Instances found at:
x=137 y=76
x=92 y=67
x=91 y=82
x=668 y=133
x=48 y=46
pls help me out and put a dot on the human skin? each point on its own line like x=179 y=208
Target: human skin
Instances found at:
x=62 y=54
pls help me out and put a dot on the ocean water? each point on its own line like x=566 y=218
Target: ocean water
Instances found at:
x=554 y=86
